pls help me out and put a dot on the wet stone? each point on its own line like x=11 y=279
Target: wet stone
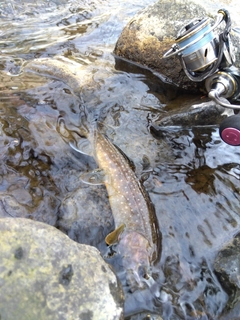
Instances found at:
x=227 y=269
x=206 y=113
x=79 y=216
x=46 y=275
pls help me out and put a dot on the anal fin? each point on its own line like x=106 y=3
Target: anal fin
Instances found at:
x=113 y=237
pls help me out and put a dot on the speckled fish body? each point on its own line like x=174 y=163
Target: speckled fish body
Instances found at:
x=137 y=232
x=139 y=242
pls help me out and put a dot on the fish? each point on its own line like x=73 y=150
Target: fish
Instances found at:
x=136 y=234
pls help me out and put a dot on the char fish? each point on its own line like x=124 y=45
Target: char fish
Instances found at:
x=136 y=233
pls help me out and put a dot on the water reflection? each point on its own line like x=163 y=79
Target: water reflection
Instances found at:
x=191 y=176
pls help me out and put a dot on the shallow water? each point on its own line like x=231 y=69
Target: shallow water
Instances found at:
x=191 y=175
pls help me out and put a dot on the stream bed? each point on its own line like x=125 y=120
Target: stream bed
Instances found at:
x=191 y=176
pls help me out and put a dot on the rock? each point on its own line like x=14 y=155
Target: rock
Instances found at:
x=227 y=269
x=145 y=316
x=153 y=31
x=45 y=275
x=206 y=113
x=85 y=215
x=232 y=314
x=63 y=69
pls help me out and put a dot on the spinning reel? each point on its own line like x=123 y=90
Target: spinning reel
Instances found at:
x=206 y=55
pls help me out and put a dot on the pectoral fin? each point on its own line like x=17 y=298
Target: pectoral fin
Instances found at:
x=113 y=237
x=84 y=147
x=95 y=177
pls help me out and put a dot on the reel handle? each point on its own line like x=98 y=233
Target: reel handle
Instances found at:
x=229 y=130
x=213 y=95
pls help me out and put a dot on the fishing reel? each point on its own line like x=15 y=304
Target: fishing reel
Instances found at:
x=206 y=54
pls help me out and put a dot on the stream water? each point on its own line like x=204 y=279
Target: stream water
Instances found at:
x=191 y=176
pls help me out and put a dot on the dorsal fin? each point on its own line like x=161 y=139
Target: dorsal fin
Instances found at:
x=130 y=162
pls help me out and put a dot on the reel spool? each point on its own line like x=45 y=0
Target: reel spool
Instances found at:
x=197 y=45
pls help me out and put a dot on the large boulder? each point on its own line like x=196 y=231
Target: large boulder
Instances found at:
x=153 y=31
x=46 y=275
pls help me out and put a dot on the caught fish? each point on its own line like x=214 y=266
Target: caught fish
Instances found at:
x=136 y=233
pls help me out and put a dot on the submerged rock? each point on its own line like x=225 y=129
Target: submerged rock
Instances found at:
x=45 y=275
x=204 y=114
x=153 y=31
x=85 y=215
x=227 y=269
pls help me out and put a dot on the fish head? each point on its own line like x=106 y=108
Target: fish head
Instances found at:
x=135 y=252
